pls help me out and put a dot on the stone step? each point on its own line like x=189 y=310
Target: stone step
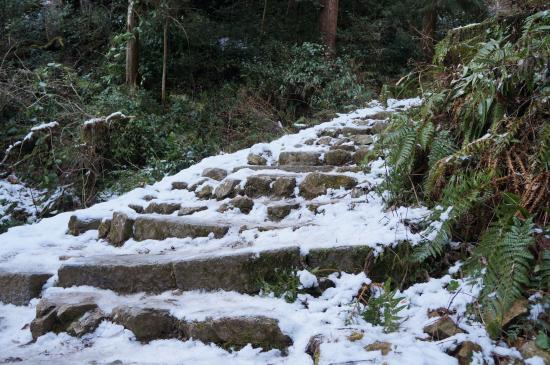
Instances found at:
x=300 y=158
x=19 y=288
x=78 y=311
x=288 y=168
x=316 y=184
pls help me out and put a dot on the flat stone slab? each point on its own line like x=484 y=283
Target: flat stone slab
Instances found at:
x=158 y=273
x=160 y=228
x=78 y=225
x=19 y=288
x=289 y=168
x=300 y=158
x=350 y=259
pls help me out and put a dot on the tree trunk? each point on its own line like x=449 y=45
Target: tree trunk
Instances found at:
x=328 y=24
x=164 y=62
x=429 y=25
x=132 y=51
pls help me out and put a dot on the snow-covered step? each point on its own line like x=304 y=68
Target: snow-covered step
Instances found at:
x=240 y=272
x=288 y=168
x=160 y=228
x=182 y=316
x=20 y=287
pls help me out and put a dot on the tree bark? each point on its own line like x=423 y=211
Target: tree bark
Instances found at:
x=132 y=51
x=328 y=24
x=429 y=26
x=164 y=62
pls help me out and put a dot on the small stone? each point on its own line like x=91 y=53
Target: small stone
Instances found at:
x=442 y=328
x=146 y=323
x=324 y=141
x=530 y=349
x=360 y=155
x=44 y=324
x=313 y=348
x=244 y=204
x=121 y=229
x=355 y=336
x=380 y=115
x=224 y=208
x=227 y=189
x=362 y=139
x=359 y=192
x=325 y=283
x=316 y=184
x=378 y=127
x=344 y=147
x=79 y=225
x=280 y=211
x=19 y=288
x=329 y=132
x=518 y=308
x=466 y=351
x=104 y=228
x=179 y=185
x=162 y=208
x=337 y=157
x=191 y=210
x=149 y=197
x=195 y=185
x=283 y=187
x=215 y=173
x=205 y=192
x=137 y=208
x=68 y=312
x=258 y=185
x=309 y=142
x=87 y=323
x=383 y=347
x=254 y=159
x=300 y=158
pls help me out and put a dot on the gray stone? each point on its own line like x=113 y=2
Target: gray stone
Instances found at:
x=300 y=158
x=56 y=317
x=161 y=228
x=309 y=142
x=191 y=210
x=227 y=189
x=362 y=139
x=79 y=225
x=360 y=155
x=135 y=207
x=237 y=332
x=244 y=204
x=283 y=187
x=258 y=185
x=224 y=208
x=337 y=157
x=254 y=159
x=205 y=192
x=324 y=141
x=242 y=272
x=179 y=185
x=121 y=273
x=162 y=208
x=280 y=211
x=147 y=324
x=354 y=131
x=104 y=228
x=344 y=147
x=316 y=184
x=121 y=229
x=443 y=328
x=380 y=115
x=19 y=288
x=87 y=323
x=215 y=173
x=288 y=168
x=465 y=352
x=44 y=324
x=359 y=192
x=68 y=312
x=195 y=185
x=350 y=259
x=313 y=348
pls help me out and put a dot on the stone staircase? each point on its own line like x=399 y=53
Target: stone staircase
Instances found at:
x=268 y=197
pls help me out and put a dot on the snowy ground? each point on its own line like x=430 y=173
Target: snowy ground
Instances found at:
x=361 y=221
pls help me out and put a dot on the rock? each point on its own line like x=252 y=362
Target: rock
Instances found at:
x=313 y=348
x=237 y=332
x=309 y=142
x=227 y=189
x=300 y=158
x=325 y=140
x=360 y=155
x=19 y=288
x=316 y=184
x=466 y=351
x=362 y=139
x=254 y=159
x=244 y=204
x=378 y=127
x=135 y=207
x=162 y=208
x=380 y=115
x=280 y=211
x=519 y=307
x=147 y=324
x=383 y=347
x=191 y=210
x=224 y=208
x=87 y=323
x=359 y=192
x=79 y=225
x=337 y=157
x=149 y=197
x=344 y=147
x=104 y=228
x=161 y=228
x=283 y=187
x=44 y=324
x=530 y=349
x=66 y=313
x=442 y=328
x=179 y=185
x=329 y=132
x=57 y=317
x=121 y=229
x=195 y=185
x=325 y=283
x=215 y=173
x=258 y=185
x=349 y=259
x=205 y=192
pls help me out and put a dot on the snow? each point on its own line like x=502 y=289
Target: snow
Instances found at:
x=43 y=126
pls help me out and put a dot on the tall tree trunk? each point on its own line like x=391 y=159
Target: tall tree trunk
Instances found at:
x=132 y=51
x=164 y=62
x=328 y=24
x=429 y=26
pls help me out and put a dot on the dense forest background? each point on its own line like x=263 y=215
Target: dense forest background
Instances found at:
x=209 y=76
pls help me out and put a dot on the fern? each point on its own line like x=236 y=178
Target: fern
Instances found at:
x=383 y=307
x=544 y=270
